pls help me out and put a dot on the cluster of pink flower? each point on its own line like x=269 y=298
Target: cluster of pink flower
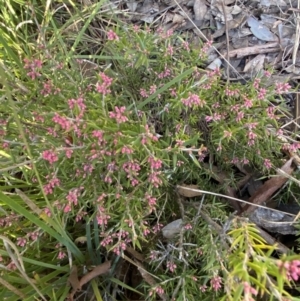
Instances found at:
x=247 y=103
x=118 y=114
x=151 y=201
x=214 y=117
x=262 y=93
x=148 y=135
x=230 y=92
x=256 y=83
x=291 y=147
x=49 y=88
x=132 y=169
x=100 y=136
x=164 y=34
x=154 y=163
x=158 y=290
x=271 y=112
x=249 y=291
x=80 y=104
x=171 y=266
x=165 y=73
x=282 y=88
x=50 y=156
x=61 y=253
x=215 y=283
x=193 y=100
x=72 y=199
x=237 y=160
x=267 y=163
x=52 y=183
x=122 y=238
x=34 y=67
x=291 y=269
x=103 y=87
x=157 y=227
x=112 y=36
x=154 y=179
x=64 y=122
x=102 y=217
x=169 y=50
x=205 y=48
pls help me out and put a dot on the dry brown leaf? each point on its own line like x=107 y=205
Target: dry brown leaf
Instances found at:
x=264 y=193
x=98 y=270
x=77 y=284
x=188 y=193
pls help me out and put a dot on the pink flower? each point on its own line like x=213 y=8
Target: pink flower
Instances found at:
x=256 y=83
x=248 y=289
x=143 y=93
x=262 y=93
x=271 y=112
x=67 y=208
x=248 y=103
x=103 y=86
x=171 y=266
x=267 y=73
x=215 y=283
x=152 y=89
x=33 y=235
x=282 y=87
x=61 y=255
x=112 y=36
x=21 y=241
x=154 y=163
x=240 y=116
x=154 y=179
x=47 y=211
x=102 y=217
x=50 y=156
x=33 y=67
x=193 y=100
x=69 y=153
x=62 y=121
x=188 y=227
x=118 y=114
x=48 y=188
x=267 y=163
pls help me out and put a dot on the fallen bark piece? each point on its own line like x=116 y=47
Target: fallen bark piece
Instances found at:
x=266 y=48
x=264 y=193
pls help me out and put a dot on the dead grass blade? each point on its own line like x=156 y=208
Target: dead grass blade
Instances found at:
x=12 y=288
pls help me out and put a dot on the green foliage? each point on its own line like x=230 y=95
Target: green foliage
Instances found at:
x=93 y=150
